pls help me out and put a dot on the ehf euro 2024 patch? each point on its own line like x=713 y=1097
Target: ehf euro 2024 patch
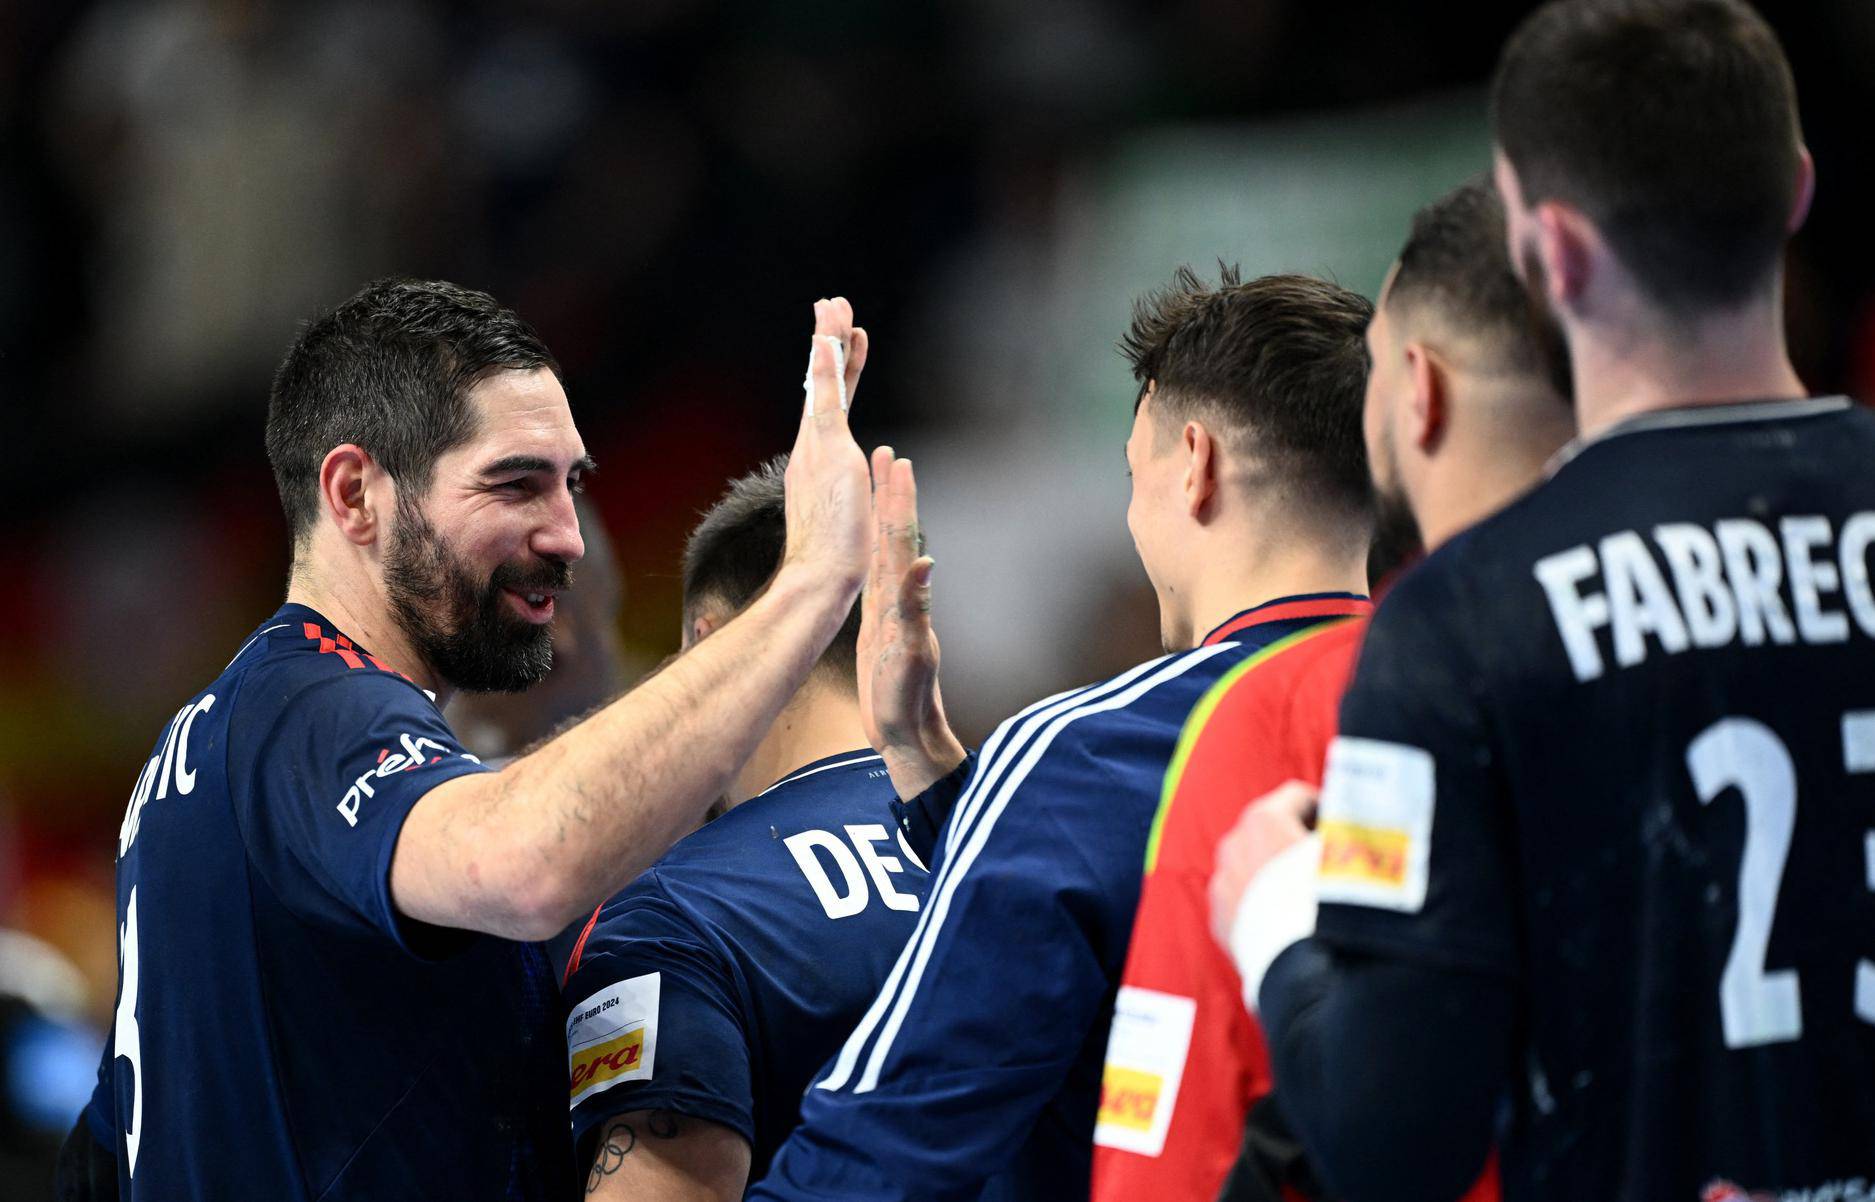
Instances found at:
x=612 y=1037
x=1146 y=1051
x=1376 y=824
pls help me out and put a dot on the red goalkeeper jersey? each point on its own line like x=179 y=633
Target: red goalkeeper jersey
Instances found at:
x=1185 y=1060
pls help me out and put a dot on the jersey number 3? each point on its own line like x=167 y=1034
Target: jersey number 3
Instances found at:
x=1758 y=1007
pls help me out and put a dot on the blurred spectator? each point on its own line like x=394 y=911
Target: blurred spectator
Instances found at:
x=48 y=1059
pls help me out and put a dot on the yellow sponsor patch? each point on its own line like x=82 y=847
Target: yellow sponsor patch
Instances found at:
x=1146 y=1050
x=1353 y=852
x=1376 y=824
x=595 y=1066
x=1129 y=1098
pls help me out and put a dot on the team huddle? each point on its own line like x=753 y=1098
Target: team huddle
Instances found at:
x=1550 y=876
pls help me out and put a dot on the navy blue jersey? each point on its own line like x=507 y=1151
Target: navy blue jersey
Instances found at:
x=281 y=1031
x=720 y=980
x=1616 y=746
x=976 y=1071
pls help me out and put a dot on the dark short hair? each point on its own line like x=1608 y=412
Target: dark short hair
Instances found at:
x=1671 y=123
x=1279 y=359
x=1454 y=266
x=734 y=551
x=389 y=370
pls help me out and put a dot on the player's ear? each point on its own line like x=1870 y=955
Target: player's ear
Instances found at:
x=698 y=627
x=353 y=490
x=1427 y=411
x=1200 y=452
x=1570 y=248
x=1806 y=190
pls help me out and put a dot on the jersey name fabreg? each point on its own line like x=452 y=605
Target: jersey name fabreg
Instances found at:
x=1730 y=580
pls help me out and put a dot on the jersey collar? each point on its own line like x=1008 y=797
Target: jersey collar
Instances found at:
x=1288 y=609
x=844 y=759
x=1683 y=416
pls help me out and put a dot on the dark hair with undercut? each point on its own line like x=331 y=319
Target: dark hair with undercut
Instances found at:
x=389 y=370
x=1278 y=359
x=734 y=552
x=1455 y=267
x=1672 y=124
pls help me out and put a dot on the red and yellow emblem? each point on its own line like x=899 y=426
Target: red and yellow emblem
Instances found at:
x=1371 y=854
x=602 y=1062
x=1129 y=1098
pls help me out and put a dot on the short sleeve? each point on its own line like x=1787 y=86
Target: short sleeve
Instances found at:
x=1417 y=851
x=323 y=789
x=654 y=1021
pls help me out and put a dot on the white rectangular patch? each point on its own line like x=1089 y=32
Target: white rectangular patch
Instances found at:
x=1145 y=1062
x=1376 y=824
x=612 y=1037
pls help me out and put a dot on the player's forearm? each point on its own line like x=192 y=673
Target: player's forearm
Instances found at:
x=1390 y=1072
x=524 y=852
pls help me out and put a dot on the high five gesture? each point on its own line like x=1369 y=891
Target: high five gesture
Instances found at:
x=898 y=650
x=829 y=495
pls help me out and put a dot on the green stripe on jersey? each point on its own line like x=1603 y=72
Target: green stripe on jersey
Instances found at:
x=1201 y=714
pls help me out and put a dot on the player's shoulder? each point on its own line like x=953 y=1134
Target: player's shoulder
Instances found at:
x=1264 y=685
x=1078 y=746
x=728 y=873
x=1149 y=696
x=1685 y=460
x=297 y=650
x=1288 y=691
x=1688 y=458
x=836 y=789
x=642 y=919
x=644 y=907
x=1825 y=426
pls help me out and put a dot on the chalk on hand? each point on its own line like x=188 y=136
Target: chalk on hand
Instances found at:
x=839 y=372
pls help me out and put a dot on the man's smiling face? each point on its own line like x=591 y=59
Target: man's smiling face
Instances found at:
x=473 y=564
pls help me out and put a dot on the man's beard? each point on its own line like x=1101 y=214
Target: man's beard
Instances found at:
x=1397 y=538
x=1397 y=541
x=463 y=629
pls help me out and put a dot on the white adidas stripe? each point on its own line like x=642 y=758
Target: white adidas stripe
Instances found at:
x=970 y=804
x=979 y=836
x=986 y=761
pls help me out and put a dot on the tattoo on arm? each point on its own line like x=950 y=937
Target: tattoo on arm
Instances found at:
x=620 y=1140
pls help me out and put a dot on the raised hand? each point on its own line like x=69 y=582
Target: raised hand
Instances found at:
x=899 y=700
x=829 y=507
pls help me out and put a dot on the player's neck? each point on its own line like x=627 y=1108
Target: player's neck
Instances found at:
x=1502 y=457
x=361 y=615
x=821 y=720
x=1255 y=573
x=1628 y=367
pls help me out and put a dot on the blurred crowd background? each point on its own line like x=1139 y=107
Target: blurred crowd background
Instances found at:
x=663 y=187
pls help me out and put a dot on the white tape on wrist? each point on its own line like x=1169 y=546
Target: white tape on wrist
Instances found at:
x=839 y=372
x=1278 y=909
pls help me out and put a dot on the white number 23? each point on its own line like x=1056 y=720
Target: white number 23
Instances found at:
x=1758 y=1007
